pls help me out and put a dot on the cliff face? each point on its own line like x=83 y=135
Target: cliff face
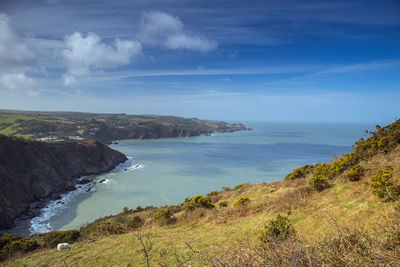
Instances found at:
x=32 y=171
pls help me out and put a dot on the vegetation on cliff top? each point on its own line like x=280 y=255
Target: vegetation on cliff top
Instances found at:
x=345 y=223
x=50 y=126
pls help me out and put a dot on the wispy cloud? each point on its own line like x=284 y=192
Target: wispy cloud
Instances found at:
x=159 y=28
x=362 y=67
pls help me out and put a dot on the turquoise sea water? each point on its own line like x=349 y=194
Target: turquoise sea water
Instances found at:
x=166 y=171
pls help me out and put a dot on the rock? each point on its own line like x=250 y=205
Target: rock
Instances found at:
x=63 y=246
x=102 y=181
x=83 y=181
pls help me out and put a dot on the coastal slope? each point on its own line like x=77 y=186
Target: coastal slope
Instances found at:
x=341 y=213
x=33 y=171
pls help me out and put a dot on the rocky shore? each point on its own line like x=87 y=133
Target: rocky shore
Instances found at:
x=32 y=173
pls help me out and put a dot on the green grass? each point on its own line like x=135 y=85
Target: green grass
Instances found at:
x=317 y=216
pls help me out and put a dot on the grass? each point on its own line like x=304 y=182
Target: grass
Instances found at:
x=345 y=204
x=343 y=225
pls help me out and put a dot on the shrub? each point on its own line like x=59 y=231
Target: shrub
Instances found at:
x=383 y=185
x=278 y=228
x=139 y=209
x=241 y=202
x=198 y=202
x=54 y=238
x=223 y=204
x=105 y=229
x=226 y=188
x=14 y=244
x=355 y=173
x=212 y=193
x=126 y=210
x=136 y=222
x=319 y=180
x=6 y=239
x=384 y=139
x=163 y=217
x=342 y=164
x=301 y=172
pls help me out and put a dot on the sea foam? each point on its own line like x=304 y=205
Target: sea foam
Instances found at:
x=42 y=224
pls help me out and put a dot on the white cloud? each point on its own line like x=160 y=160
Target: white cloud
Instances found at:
x=69 y=80
x=16 y=81
x=158 y=28
x=15 y=59
x=85 y=54
x=14 y=55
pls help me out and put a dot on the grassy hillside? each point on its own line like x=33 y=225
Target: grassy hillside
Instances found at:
x=343 y=213
x=105 y=127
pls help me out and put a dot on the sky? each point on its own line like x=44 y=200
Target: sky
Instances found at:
x=272 y=60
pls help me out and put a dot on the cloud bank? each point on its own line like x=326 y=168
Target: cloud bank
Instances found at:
x=159 y=28
x=85 y=54
x=15 y=58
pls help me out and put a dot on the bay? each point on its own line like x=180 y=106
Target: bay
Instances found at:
x=166 y=171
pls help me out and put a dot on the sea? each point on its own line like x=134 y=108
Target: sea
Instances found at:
x=166 y=171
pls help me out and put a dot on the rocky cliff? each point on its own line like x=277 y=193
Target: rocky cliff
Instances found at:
x=35 y=171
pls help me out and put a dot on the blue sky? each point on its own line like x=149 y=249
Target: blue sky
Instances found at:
x=231 y=60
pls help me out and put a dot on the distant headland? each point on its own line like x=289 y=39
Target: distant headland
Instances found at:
x=106 y=128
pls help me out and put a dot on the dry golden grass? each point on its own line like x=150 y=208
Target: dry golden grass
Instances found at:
x=344 y=225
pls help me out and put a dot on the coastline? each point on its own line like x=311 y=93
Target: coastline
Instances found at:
x=40 y=211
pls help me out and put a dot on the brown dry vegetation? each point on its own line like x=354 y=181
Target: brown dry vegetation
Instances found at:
x=343 y=225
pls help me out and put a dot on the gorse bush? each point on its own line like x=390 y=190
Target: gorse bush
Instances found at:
x=241 y=202
x=301 y=172
x=198 y=202
x=54 y=238
x=163 y=217
x=341 y=165
x=10 y=245
x=6 y=239
x=319 y=180
x=278 y=228
x=384 y=139
x=223 y=204
x=384 y=186
x=355 y=173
